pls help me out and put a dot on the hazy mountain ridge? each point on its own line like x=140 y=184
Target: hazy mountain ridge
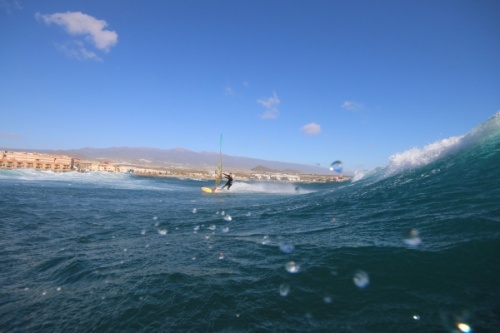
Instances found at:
x=263 y=169
x=156 y=157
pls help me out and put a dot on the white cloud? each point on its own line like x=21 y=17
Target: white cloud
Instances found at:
x=352 y=106
x=271 y=106
x=80 y=24
x=311 y=129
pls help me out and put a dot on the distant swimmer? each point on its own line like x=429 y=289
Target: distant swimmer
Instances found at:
x=230 y=178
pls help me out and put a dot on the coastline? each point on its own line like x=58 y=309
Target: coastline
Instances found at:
x=244 y=175
x=59 y=163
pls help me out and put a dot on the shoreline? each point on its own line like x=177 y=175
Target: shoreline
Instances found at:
x=248 y=176
x=60 y=163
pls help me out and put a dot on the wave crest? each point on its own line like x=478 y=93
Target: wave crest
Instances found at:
x=415 y=157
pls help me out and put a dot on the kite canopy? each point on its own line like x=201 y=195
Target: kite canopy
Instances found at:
x=336 y=166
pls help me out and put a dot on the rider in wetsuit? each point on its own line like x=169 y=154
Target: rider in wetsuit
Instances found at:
x=230 y=178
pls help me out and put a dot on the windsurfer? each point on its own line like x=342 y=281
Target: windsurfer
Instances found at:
x=230 y=178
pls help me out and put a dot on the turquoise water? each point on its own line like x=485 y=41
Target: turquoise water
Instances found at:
x=411 y=247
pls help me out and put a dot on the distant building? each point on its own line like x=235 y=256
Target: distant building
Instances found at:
x=84 y=166
x=37 y=161
x=276 y=176
x=21 y=160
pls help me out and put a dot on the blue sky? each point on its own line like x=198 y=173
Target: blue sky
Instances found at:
x=306 y=82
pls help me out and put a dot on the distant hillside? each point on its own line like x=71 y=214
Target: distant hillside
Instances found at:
x=180 y=157
x=263 y=169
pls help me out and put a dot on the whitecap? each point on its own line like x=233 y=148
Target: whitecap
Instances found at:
x=415 y=157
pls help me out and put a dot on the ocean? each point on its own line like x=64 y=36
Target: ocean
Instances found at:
x=410 y=247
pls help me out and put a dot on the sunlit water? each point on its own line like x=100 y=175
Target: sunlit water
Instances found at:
x=413 y=247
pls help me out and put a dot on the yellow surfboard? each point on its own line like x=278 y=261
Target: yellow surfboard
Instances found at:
x=210 y=190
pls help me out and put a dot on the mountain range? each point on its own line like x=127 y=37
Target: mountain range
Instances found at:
x=180 y=157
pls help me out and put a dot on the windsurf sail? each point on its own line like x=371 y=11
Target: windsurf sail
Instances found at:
x=218 y=171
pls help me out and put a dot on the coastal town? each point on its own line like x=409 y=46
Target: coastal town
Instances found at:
x=11 y=160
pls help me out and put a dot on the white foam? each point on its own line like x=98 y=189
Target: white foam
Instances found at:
x=415 y=157
x=418 y=157
x=102 y=179
x=358 y=175
x=268 y=187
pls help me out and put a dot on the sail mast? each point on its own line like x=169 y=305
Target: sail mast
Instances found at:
x=218 y=172
x=220 y=155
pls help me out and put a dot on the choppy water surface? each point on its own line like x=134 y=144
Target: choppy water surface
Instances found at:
x=412 y=247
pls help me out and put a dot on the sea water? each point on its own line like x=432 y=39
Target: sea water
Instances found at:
x=411 y=247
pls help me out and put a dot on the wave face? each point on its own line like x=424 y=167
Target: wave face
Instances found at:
x=409 y=247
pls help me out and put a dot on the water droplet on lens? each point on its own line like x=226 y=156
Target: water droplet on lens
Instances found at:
x=454 y=321
x=284 y=289
x=287 y=248
x=292 y=267
x=361 y=279
x=411 y=238
x=463 y=327
x=336 y=166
